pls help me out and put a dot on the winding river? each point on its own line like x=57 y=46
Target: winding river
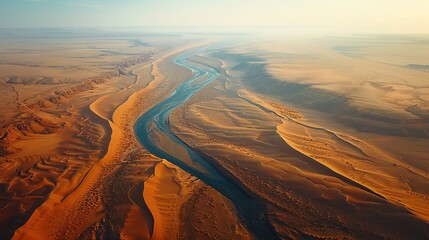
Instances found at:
x=156 y=121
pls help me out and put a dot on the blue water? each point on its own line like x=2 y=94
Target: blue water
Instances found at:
x=250 y=211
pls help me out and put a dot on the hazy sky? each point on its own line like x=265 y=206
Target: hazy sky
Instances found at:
x=355 y=15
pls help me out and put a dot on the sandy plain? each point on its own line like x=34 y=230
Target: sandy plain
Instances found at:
x=308 y=128
x=312 y=130
x=72 y=168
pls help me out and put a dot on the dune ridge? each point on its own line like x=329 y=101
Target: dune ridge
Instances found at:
x=62 y=198
x=75 y=169
x=162 y=192
x=83 y=206
x=304 y=198
x=52 y=217
x=354 y=148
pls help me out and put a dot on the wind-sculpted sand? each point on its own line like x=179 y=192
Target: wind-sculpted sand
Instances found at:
x=58 y=138
x=315 y=181
x=359 y=161
x=297 y=139
x=67 y=216
x=73 y=206
x=117 y=192
x=53 y=148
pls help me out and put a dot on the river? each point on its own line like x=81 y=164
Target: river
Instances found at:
x=251 y=212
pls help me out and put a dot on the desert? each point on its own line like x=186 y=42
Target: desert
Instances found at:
x=130 y=134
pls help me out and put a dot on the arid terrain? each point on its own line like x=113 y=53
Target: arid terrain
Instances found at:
x=268 y=138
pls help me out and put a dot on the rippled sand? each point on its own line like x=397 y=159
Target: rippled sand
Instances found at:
x=329 y=135
x=298 y=136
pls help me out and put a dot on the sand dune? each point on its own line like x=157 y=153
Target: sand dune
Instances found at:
x=256 y=139
x=329 y=149
x=85 y=196
x=84 y=205
x=55 y=138
x=162 y=193
x=359 y=161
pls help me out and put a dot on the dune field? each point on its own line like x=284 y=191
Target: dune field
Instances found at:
x=278 y=138
x=295 y=141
